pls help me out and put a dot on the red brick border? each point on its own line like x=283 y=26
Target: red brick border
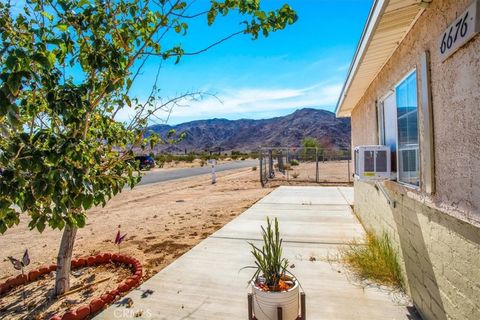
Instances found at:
x=97 y=304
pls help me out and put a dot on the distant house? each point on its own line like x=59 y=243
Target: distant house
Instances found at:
x=414 y=85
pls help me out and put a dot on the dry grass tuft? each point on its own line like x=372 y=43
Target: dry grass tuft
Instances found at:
x=377 y=260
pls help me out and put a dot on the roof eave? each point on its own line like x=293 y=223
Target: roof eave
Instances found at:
x=376 y=11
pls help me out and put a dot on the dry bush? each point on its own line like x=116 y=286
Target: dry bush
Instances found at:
x=377 y=260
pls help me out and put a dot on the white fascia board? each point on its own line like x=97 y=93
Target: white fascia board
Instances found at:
x=378 y=8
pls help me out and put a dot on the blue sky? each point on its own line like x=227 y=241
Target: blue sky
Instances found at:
x=302 y=66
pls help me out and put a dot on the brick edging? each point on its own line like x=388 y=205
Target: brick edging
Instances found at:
x=97 y=304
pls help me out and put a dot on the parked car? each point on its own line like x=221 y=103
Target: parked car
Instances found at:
x=145 y=162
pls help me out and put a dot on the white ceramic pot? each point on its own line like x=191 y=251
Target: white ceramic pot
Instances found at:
x=265 y=304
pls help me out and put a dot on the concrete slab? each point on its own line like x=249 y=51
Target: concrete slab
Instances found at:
x=309 y=226
x=305 y=196
x=347 y=193
x=206 y=282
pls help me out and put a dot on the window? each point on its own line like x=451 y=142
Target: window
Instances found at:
x=398 y=129
x=387 y=126
x=407 y=124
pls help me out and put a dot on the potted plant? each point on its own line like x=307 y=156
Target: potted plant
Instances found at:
x=273 y=286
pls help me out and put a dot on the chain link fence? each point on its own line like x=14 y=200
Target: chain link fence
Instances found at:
x=305 y=165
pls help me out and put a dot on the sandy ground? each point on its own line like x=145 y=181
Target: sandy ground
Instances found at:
x=329 y=171
x=162 y=221
x=32 y=301
x=194 y=164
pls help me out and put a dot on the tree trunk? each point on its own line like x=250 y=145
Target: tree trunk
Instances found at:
x=64 y=259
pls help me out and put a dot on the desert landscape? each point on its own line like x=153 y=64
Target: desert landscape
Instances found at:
x=161 y=222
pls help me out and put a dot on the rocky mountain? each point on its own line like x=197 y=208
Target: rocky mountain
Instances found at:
x=247 y=135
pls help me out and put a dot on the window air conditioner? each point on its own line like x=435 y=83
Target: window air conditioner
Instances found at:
x=372 y=162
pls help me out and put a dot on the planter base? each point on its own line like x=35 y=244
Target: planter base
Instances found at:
x=302 y=315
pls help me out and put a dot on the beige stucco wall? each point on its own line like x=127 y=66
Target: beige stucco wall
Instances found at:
x=455 y=87
x=438 y=235
x=440 y=255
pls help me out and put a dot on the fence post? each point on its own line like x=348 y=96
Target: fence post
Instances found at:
x=289 y=165
x=317 y=174
x=348 y=163
x=271 y=173
x=261 y=167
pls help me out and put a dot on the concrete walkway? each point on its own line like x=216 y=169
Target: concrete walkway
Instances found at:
x=206 y=282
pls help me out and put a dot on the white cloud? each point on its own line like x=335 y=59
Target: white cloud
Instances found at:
x=235 y=103
x=248 y=100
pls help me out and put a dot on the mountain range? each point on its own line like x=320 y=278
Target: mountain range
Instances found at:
x=248 y=135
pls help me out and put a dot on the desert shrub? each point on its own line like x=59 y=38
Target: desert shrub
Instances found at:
x=253 y=155
x=190 y=157
x=294 y=162
x=295 y=175
x=376 y=260
x=254 y=168
x=185 y=158
x=164 y=158
x=242 y=158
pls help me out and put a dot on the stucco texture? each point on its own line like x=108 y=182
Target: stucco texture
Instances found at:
x=437 y=235
x=455 y=85
x=439 y=254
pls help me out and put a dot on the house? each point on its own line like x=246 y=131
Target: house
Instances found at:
x=414 y=85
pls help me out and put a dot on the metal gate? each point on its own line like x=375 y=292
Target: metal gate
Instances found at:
x=304 y=165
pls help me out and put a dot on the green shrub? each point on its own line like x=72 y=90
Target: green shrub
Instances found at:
x=294 y=162
x=376 y=260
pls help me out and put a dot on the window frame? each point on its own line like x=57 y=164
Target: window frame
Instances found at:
x=381 y=128
x=412 y=186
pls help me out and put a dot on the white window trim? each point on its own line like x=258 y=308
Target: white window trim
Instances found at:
x=408 y=185
x=381 y=120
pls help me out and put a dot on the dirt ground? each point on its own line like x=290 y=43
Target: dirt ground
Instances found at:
x=162 y=221
x=33 y=301
x=194 y=164
x=328 y=171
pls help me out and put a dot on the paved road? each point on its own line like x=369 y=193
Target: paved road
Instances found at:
x=166 y=175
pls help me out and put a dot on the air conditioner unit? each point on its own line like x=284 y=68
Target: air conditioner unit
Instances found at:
x=372 y=162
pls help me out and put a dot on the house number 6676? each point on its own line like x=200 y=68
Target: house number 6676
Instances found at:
x=460 y=31
x=461 y=28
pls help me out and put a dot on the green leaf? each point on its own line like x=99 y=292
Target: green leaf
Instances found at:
x=62 y=27
x=41 y=224
x=81 y=3
x=3 y=227
x=80 y=218
x=87 y=202
x=47 y=15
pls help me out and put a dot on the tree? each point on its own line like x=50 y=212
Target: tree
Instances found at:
x=310 y=142
x=311 y=148
x=62 y=149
